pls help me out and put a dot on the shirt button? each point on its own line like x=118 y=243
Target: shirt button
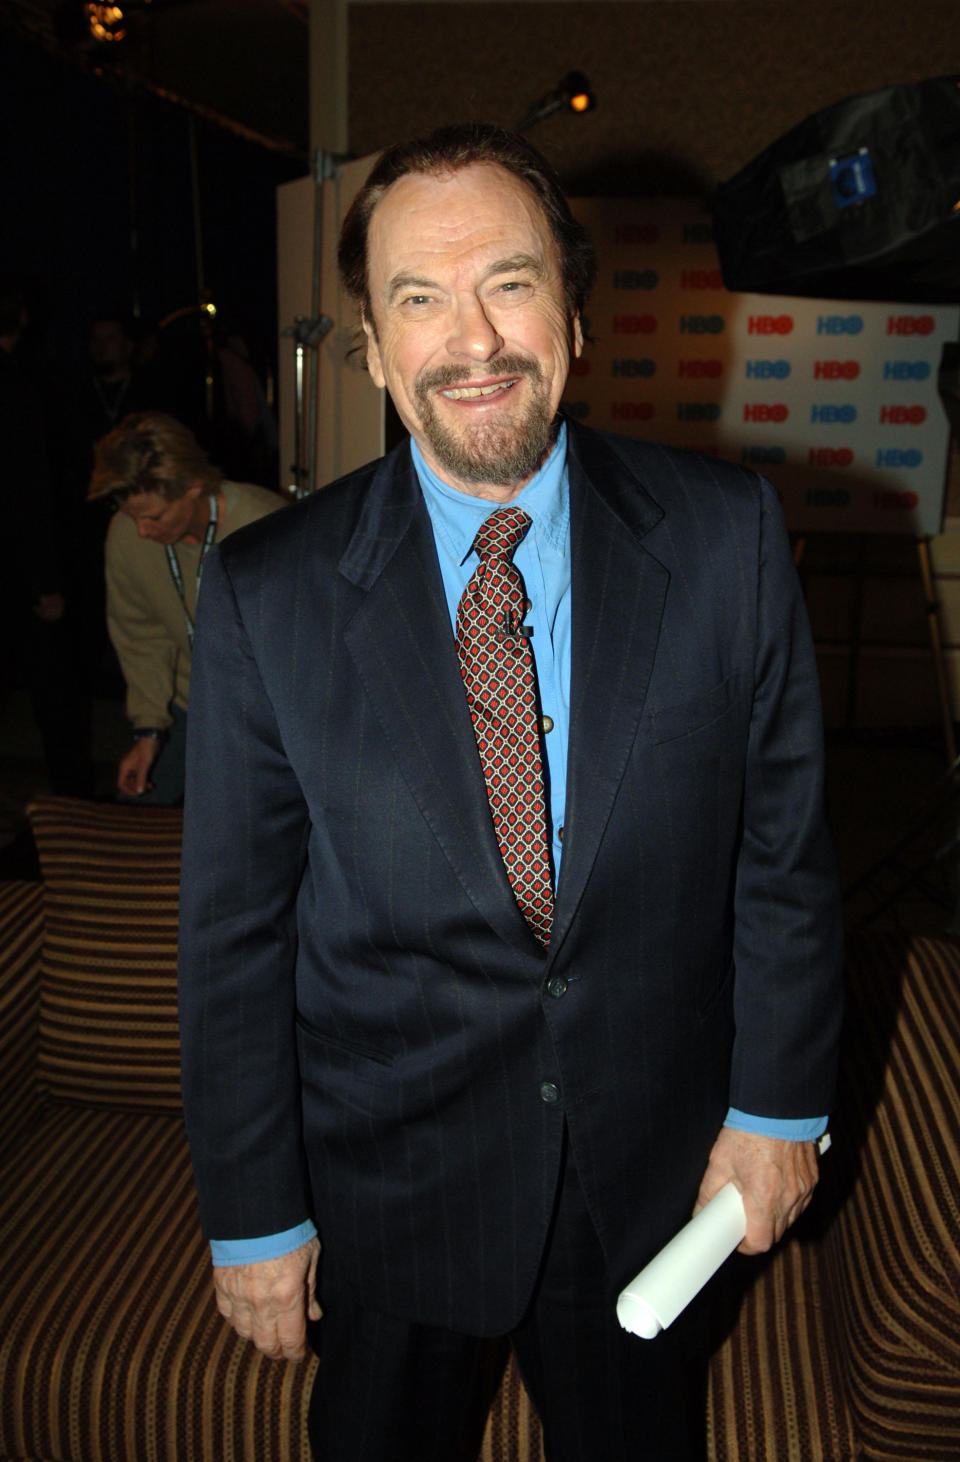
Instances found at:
x=546 y=723
x=560 y=833
x=527 y=606
x=557 y=986
x=549 y=1091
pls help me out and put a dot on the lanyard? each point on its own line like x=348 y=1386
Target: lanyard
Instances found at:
x=174 y=563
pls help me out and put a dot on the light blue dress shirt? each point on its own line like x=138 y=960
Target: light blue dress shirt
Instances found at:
x=543 y=561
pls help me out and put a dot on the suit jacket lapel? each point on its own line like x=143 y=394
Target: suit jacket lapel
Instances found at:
x=618 y=594
x=402 y=644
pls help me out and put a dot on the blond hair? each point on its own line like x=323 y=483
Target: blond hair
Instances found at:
x=150 y=452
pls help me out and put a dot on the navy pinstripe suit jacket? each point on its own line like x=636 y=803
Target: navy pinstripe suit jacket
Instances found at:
x=367 y=1023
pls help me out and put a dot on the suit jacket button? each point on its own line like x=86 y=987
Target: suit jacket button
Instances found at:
x=549 y=1091
x=556 y=986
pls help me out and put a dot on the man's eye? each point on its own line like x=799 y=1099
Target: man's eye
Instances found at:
x=418 y=299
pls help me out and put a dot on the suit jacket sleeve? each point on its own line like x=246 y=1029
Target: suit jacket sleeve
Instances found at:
x=243 y=858
x=787 y=931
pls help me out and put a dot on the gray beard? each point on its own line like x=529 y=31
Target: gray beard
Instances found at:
x=499 y=453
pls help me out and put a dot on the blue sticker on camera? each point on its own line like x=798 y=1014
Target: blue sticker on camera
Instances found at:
x=852 y=178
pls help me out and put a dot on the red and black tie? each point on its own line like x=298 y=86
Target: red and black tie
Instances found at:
x=496 y=662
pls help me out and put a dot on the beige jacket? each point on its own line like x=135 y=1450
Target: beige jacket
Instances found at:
x=144 y=611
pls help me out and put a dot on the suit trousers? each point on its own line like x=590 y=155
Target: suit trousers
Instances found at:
x=389 y=1390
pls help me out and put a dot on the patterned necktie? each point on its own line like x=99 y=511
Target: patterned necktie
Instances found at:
x=496 y=662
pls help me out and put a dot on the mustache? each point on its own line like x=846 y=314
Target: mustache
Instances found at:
x=462 y=375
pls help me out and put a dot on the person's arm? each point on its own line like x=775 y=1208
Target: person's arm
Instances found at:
x=146 y=652
x=133 y=769
x=270 y=1300
x=775 y=1175
x=260 y=1284
x=243 y=857
x=787 y=924
x=784 y=1153
x=148 y=658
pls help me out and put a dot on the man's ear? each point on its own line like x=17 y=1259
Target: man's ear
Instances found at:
x=374 y=365
x=195 y=489
x=577 y=342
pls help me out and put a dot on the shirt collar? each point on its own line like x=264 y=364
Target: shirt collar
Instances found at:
x=456 y=516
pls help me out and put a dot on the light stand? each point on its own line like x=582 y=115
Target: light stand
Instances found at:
x=306 y=335
x=307 y=332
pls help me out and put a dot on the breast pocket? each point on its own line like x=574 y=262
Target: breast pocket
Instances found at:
x=685 y=718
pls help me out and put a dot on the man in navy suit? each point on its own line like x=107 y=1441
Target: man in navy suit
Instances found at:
x=490 y=1132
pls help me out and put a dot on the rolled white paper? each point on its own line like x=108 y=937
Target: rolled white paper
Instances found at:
x=669 y=1282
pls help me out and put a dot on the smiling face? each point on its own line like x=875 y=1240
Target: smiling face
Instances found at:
x=469 y=330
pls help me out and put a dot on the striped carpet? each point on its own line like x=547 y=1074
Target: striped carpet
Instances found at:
x=111 y=1349
x=893 y=1253
x=846 y=1342
x=21 y=912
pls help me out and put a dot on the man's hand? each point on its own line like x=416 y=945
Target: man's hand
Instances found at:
x=269 y=1302
x=133 y=769
x=775 y=1177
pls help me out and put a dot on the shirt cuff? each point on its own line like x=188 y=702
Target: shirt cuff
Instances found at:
x=800 y=1129
x=228 y=1252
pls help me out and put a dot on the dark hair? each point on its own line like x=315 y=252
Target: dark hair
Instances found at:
x=150 y=452
x=447 y=150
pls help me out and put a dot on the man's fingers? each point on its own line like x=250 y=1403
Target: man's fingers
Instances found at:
x=776 y=1179
x=313 y=1305
x=278 y=1333
x=290 y=1333
x=800 y=1206
x=268 y=1302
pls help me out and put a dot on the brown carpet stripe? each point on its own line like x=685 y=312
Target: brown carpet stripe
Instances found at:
x=513 y=1427
x=894 y=1244
x=773 y=1383
x=108 y=1027
x=21 y=928
x=110 y=1343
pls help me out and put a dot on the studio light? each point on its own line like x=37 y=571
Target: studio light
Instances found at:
x=859 y=201
x=572 y=94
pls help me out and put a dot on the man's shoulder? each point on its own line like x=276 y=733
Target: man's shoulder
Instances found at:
x=653 y=460
x=324 y=521
x=674 y=478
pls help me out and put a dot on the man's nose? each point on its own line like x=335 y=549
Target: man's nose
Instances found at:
x=473 y=334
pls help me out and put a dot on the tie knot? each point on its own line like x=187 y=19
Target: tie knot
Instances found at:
x=501 y=533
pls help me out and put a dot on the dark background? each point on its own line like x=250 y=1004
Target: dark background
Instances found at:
x=98 y=212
